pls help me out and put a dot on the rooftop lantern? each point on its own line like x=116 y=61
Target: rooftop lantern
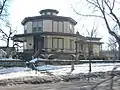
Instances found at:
x=49 y=12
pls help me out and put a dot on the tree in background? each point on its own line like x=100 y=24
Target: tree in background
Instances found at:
x=91 y=34
x=4 y=34
x=113 y=47
x=7 y=36
x=108 y=10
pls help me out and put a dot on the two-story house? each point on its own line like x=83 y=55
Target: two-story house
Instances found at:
x=50 y=34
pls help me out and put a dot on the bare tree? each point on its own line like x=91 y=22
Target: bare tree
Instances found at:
x=91 y=34
x=3 y=13
x=108 y=10
x=7 y=37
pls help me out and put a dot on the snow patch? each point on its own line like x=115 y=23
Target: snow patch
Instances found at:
x=6 y=73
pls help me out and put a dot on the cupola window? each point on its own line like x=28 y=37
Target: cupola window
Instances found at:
x=48 y=13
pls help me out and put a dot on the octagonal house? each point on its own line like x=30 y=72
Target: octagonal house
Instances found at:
x=49 y=34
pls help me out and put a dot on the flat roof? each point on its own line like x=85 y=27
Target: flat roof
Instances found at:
x=49 y=10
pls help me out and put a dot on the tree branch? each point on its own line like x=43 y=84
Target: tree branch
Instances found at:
x=113 y=4
x=3 y=39
x=3 y=32
x=2 y=7
x=92 y=3
x=117 y=20
x=108 y=27
x=86 y=15
x=110 y=31
x=111 y=12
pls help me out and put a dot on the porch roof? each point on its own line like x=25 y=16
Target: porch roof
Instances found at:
x=95 y=42
x=93 y=38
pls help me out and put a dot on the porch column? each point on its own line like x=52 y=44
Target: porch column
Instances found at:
x=45 y=43
x=100 y=50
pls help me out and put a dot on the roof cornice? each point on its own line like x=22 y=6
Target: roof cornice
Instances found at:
x=49 y=17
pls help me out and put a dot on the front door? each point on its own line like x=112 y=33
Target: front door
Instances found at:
x=39 y=43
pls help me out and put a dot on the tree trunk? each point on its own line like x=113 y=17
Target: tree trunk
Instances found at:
x=7 y=42
x=119 y=51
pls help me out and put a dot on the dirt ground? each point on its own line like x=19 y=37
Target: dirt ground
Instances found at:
x=72 y=85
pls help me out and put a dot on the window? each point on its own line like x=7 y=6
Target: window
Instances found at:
x=55 y=26
x=37 y=26
x=58 y=43
x=43 y=14
x=81 y=47
x=25 y=28
x=40 y=25
x=71 y=28
x=48 y=13
x=61 y=43
x=90 y=48
x=34 y=29
x=71 y=44
x=58 y=26
x=53 y=13
x=55 y=43
x=60 y=29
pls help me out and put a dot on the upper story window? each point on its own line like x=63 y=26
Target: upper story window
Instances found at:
x=25 y=28
x=58 y=26
x=37 y=26
x=54 y=13
x=55 y=26
x=71 y=28
x=43 y=14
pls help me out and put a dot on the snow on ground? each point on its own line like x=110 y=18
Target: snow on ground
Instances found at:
x=15 y=72
x=84 y=68
x=48 y=67
x=20 y=74
x=2 y=59
x=36 y=59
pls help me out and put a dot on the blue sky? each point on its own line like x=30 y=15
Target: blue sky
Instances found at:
x=19 y=9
